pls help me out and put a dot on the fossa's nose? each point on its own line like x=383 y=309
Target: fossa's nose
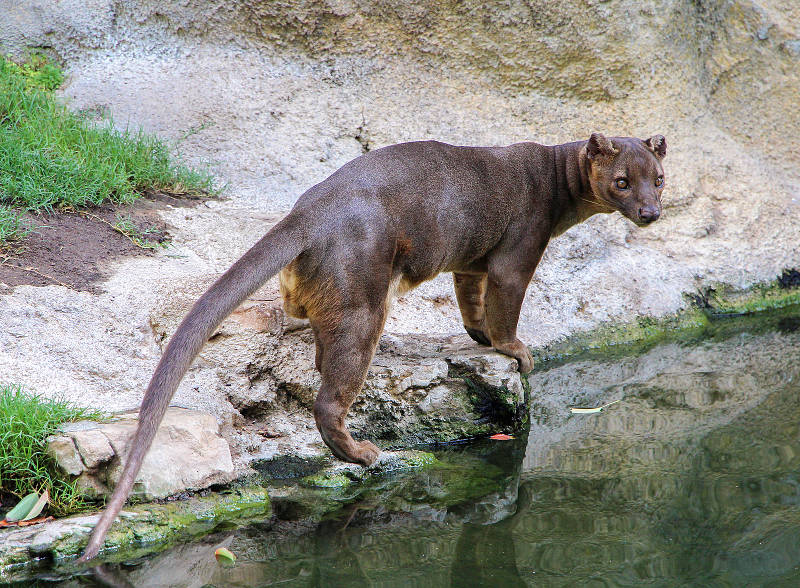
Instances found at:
x=648 y=214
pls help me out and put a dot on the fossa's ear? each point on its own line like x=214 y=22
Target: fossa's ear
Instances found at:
x=600 y=145
x=658 y=145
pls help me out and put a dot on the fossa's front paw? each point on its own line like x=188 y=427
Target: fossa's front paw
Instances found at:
x=519 y=351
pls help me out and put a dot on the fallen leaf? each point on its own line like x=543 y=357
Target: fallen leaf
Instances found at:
x=4 y=524
x=576 y=410
x=224 y=556
x=38 y=507
x=501 y=437
x=23 y=507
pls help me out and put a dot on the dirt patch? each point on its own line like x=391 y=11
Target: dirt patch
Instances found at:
x=73 y=249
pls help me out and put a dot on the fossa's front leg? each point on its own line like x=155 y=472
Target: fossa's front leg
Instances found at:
x=504 y=296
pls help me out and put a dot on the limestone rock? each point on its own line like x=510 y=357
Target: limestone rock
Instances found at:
x=62 y=449
x=418 y=390
x=93 y=447
x=187 y=454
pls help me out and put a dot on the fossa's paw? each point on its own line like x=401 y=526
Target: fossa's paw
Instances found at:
x=519 y=351
x=525 y=361
x=368 y=453
x=478 y=335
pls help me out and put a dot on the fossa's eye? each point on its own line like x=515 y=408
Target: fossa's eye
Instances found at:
x=621 y=183
x=659 y=181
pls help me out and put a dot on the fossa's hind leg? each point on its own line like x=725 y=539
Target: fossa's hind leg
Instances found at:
x=471 y=294
x=347 y=309
x=344 y=352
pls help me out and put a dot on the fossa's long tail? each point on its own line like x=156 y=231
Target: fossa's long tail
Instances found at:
x=265 y=259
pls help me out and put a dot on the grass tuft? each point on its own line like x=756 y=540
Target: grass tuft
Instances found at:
x=139 y=237
x=50 y=157
x=38 y=73
x=26 y=420
x=12 y=226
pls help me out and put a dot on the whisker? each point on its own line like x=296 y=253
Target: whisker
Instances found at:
x=591 y=201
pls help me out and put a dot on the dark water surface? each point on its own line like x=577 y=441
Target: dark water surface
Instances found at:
x=692 y=479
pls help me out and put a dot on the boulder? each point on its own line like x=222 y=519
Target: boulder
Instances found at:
x=188 y=453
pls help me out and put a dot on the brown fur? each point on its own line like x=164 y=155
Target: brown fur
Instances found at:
x=384 y=223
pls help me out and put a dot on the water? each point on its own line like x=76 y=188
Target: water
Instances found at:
x=692 y=479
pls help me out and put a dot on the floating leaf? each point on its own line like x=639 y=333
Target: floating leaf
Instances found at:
x=22 y=509
x=576 y=410
x=224 y=556
x=501 y=437
x=38 y=507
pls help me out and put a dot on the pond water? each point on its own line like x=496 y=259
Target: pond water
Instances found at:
x=691 y=479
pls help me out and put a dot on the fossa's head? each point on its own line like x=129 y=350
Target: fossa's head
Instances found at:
x=626 y=175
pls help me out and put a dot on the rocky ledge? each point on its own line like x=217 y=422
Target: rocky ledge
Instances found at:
x=154 y=527
x=418 y=391
x=145 y=528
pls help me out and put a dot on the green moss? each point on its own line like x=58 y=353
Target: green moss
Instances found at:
x=645 y=332
x=149 y=528
x=326 y=480
x=722 y=300
x=709 y=315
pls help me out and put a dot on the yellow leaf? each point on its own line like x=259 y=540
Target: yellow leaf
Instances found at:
x=576 y=410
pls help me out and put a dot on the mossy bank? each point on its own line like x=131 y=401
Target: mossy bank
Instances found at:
x=142 y=529
x=705 y=315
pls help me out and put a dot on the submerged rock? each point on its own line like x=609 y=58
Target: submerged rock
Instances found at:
x=146 y=528
x=342 y=474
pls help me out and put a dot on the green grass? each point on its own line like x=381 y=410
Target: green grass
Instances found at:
x=51 y=157
x=26 y=420
x=12 y=226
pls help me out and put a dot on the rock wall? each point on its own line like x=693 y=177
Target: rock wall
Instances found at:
x=275 y=96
